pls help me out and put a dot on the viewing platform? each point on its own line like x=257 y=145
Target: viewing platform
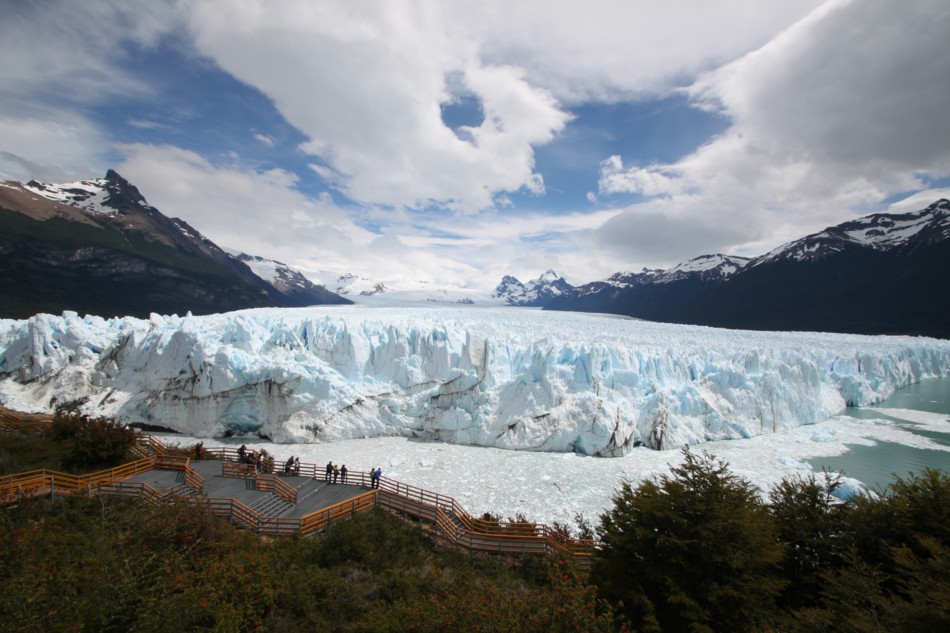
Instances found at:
x=275 y=503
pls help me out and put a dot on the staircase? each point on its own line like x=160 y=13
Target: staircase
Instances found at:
x=271 y=505
x=180 y=489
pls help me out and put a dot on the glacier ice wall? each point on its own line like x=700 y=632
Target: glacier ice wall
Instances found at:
x=502 y=377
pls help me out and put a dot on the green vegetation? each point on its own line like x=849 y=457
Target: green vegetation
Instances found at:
x=105 y=565
x=698 y=550
x=73 y=443
x=695 y=550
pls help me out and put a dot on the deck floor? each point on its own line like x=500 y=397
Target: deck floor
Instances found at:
x=313 y=494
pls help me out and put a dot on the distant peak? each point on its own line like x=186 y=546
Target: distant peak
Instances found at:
x=113 y=176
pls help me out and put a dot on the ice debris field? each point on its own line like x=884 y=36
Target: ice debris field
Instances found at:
x=493 y=377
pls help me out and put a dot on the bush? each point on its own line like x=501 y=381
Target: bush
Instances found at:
x=90 y=443
x=691 y=551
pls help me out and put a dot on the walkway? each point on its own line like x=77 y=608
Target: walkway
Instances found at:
x=312 y=494
x=279 y=504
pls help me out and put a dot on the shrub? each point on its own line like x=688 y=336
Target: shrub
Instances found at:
x=90 y=443
x=691 y=551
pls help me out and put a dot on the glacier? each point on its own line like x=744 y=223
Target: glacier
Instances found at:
x=501 y=377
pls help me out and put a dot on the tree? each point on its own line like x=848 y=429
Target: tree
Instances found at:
x=811 y=528
x=90 y=443
x=695 y=550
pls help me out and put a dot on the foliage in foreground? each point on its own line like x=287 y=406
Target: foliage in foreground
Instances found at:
x=73 y=443
x=110 y=565
x=698 y=550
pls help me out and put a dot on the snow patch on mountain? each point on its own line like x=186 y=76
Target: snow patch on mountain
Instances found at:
x=707 y=267
x=88 y=195
x=502 y=377
x=350 y=284
x=879 y=231
x=536 y=292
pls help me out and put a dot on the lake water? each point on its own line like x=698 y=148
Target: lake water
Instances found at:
x=877 y=462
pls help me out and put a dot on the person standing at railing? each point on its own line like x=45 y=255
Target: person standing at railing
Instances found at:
x=336 y=473
x=379 y=473
x=372 y=477
x=242 y=453
x=329 y=471
x=296 y=466
x=343 y=473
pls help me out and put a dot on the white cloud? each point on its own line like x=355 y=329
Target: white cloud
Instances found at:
x=618 y=49
x=841 y=111
x=71 y=51
x=365 y=85
x=53 y=148
x=264 y=139
x=837 y=113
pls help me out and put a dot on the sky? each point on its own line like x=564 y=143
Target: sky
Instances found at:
x=457 y=142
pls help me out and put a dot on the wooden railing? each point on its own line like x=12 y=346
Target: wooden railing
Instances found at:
x=273 y=483
x=451 y=520
x=41 y=482
x=24 y=421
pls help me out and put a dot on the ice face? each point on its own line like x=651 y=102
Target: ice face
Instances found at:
x=507 y=378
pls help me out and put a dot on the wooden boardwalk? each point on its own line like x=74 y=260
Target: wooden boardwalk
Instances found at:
x=278 y=504
x=312 y=493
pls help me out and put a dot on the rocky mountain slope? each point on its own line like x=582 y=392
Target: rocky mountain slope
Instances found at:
x=290 y=282
x=535 y=293
x=881 y=274
x=96 y=246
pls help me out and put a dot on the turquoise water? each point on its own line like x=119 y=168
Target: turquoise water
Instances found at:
x=876 y=465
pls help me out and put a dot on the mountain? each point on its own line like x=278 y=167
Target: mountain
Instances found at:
x=97 y=246
x=536 y=292
x=350 y=284
x=291 y=283
x=880 y=274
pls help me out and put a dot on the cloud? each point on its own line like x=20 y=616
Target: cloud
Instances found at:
x=264 y=139
x=58 y=149
x=365 y=86
x=620 y=49
x=836 y=114
x=261 y=212
x=71 y=52
x=835 y=107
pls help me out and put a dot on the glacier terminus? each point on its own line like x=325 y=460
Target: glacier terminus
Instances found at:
x=501 y=377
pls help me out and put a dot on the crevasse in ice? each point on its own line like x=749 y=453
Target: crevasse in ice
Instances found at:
x=502 y=377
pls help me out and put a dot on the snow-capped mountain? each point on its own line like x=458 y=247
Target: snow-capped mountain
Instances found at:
x=350 y=284
x=879 y=232
x=96 y=246
x=536 y=292
x=880 y=274
x=289 y=281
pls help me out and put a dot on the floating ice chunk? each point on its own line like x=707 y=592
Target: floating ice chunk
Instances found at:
x=824 y=434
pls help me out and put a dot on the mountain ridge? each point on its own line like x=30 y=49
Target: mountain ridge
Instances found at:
x=879 y=274
x=97 y=247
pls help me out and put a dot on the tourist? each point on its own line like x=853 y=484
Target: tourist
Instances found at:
x=372 y=477
x=329 y=471
x=242 y=454
x=289 y=466
x=343 y=473
x=336 y=473
x=379 y=473
x=296 y=466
